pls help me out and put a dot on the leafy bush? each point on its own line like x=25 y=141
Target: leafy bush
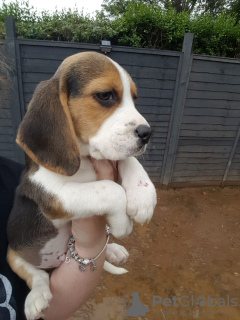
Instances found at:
x=141 y=25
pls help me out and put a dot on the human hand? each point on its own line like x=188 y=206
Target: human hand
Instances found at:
x=87 y=232
x=70 y=287
x=105 y=169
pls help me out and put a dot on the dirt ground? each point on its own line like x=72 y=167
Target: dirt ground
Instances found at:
x=190 y=249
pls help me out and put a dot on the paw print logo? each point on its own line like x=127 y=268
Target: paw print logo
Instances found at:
x=201 y=301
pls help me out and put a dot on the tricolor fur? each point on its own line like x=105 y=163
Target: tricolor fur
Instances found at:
x=86 y=109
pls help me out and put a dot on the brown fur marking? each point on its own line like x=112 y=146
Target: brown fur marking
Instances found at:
x=87 y=114
x=12 y=256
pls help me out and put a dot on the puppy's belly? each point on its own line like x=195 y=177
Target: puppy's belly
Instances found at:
x=54 y=251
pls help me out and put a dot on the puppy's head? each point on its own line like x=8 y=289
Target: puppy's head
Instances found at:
x=88 y=102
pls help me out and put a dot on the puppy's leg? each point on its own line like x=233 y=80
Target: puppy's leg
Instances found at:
x=116 y=253
x=38 y=281
x=84 y=200
x=140 y=191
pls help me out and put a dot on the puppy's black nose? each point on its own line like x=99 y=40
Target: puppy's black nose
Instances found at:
x=144 y=132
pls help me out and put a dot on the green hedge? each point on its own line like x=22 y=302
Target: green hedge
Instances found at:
x=142 y=25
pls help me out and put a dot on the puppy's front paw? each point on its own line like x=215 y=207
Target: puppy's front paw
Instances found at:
x=37 y=302
x=116 y=253
x=121 y=227
x=141 y=200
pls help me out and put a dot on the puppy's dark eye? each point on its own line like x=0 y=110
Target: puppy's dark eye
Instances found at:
x=105 y=95
x=107 y=98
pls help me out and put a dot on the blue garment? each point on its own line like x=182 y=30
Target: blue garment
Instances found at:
x=13 y=290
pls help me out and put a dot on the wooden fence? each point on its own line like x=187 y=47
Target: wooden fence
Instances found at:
x=191 y=101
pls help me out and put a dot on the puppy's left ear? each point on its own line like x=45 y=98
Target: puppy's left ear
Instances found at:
x=46 y=133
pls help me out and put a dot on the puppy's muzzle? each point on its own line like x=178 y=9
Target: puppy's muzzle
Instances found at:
x=144 y=133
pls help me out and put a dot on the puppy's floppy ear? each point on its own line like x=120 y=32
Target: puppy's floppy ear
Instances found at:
x=46 y=133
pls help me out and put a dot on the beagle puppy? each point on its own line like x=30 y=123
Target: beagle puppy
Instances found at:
x=85 y=110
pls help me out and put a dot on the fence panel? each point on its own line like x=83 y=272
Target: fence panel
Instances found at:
x=210 y=123
x=191 y=101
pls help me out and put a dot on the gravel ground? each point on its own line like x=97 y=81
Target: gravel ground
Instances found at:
x=190 y=249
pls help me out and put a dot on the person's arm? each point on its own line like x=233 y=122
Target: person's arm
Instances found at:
x=70 y=287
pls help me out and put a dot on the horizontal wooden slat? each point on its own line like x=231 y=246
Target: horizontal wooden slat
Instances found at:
x=208 y=134
x=203 y=155
x=6 y=146
x=211 y=120
x=215 y=67
x=152 y=157
x=157 y=117
x=39 y=65
x=155 y=146
x=211 y=112
x=204 y=178
x=236 y=156
x=29 y=87
x=10 y=154
x=5 y=122
x=208 y=127
x=158 y=135
x=154 y=174
x=5 y=103
x=154 y=102
x=156 y=163
x=186 y=167
x=6 y=130
x=204 y=149
x=155 y=93
x=214 y=78
x=154 y=110
x=212 y=95
x=205 y=142
x=218 y=104
x=208 y=86
x=43 y=52
x=135 y=59
x=232 y=183
x=238 y=149
x=152 y=169
x=6 y=138
x=198 y=173
x=234 y=166
x=152 y=73
x=233 y=178
x=155 y=83
x=200 y=161
x=35 y=77
x=151 y=152
x=5 y=114
x=195 y=184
